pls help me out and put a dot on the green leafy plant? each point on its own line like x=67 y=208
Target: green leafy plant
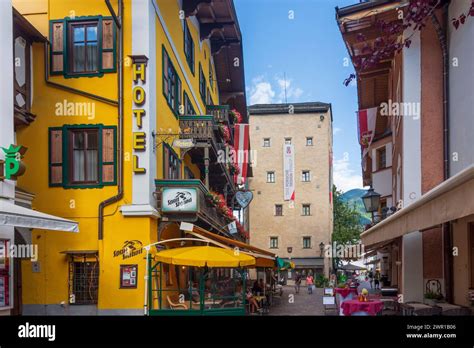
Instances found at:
x=431 y=295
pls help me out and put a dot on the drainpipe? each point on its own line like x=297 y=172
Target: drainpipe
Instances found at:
x=441 y=32
x=118 y=22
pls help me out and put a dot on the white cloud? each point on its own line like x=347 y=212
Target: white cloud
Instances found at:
x=345 y=178
x=261 y=91
x=291 y=92
x=336 y=130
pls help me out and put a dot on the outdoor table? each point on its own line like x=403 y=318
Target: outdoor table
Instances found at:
x=344 y=294
x=211 y=303
x=356 y=307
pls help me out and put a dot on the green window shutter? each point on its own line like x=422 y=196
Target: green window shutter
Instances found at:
x=57 y=37
x=108 y=155
x=55 y=164
x=109 y=43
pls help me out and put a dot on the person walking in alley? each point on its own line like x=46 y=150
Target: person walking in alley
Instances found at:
x=377 y=279
x=297 y=282
x=309 y=283
x=371 y=279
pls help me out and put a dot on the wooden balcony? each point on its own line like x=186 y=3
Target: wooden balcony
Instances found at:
x=206 y=213
x=204 y=130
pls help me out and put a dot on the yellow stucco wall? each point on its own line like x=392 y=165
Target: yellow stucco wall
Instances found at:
x=50 y=284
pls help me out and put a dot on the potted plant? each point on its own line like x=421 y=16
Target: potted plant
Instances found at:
x=431 y=298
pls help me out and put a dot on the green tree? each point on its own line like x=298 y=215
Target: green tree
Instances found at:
x=347 y=223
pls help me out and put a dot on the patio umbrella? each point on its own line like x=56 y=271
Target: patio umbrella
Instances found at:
x=282 y=264
x=201 y=256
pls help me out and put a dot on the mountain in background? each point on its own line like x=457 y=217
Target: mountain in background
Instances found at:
x=354 y=197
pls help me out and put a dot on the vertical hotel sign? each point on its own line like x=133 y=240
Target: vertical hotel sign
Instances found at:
x=288 y=172
x=139 y=100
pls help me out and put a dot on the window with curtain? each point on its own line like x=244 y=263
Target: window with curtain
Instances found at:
x=84 y=145
x=172 y=164
x=306 y=242
x=84 y=47
x=273 y=242
x=271 y=177
x=306 y=210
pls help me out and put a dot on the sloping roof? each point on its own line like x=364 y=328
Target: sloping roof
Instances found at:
x=298 y=108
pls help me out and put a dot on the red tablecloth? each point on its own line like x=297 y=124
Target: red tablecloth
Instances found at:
x=351 y=306
x=346 y=291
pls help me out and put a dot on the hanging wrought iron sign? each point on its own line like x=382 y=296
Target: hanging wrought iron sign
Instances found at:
x=243 y=198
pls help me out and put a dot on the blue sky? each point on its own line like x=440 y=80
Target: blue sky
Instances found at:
x=309 y=50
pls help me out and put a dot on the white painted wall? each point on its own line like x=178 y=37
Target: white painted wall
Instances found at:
x=412 y=263
x=7 y=137
x=461 y=87
x=382 y=182
x=411 y=126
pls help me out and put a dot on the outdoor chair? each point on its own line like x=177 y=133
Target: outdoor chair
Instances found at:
x=181 y=306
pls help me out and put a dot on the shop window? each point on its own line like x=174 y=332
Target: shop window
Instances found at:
x=306 y=242
x=278 y=210
x=266 y=142
x=172 y=88
x=273 y=242
x=202 y=84
x=188 y=106
x=172 y=164
x=84 y=279
x=306 y=210
x=309 y=141
x=82 y=156
x=306 y=176
x=83 y=46
x=188 y=47
x=4 y=274
x=271 y=177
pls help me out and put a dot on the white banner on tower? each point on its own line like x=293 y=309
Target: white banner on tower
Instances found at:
x=288 y=172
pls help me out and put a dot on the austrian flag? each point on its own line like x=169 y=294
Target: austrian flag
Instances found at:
x=366 y=126
x=241 y=136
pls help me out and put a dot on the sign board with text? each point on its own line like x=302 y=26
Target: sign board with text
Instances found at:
x=179 y=200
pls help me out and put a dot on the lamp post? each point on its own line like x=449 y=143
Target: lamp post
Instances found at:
x=288 y=271
x=371 y=201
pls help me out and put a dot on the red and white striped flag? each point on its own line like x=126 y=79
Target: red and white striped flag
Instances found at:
x=241 y=142
x=366 y=126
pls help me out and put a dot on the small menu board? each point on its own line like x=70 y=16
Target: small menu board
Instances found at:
x=128 y=276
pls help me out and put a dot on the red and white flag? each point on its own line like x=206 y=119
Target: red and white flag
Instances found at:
x=241 y=142
x=366 y=126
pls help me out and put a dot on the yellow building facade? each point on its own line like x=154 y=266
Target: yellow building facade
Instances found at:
x=110 y=93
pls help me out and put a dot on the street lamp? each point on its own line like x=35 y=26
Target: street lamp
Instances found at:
x=321 y=248
x=371 y=201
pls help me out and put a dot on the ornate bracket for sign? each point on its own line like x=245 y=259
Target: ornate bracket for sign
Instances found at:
x=160 y=138
x=187 y=144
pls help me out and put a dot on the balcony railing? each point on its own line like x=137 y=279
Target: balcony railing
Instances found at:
x=205 y=211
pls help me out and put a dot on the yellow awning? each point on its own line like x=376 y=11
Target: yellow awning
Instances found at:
x=200 y=256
